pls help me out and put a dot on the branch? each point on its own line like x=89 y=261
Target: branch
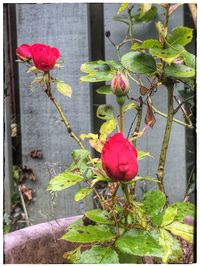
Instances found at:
x=24 y=208
x=182 y=103
x=183 y=110
x=174 y=120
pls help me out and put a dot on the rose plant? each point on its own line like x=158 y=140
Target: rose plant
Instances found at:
x=124 y=229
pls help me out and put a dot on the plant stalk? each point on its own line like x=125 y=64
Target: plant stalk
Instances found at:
x=121 y=120
x=161 y=166
x=64 y=118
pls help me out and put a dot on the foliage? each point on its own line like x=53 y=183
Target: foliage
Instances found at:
x=124 y=229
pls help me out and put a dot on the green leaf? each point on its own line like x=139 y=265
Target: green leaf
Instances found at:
x=138 y=62
x=151 y=14
x=99 y=216
x=177 y=253
x=95 y=66
x=122 y=8
x=127 y=258
x=154 y=202
x=130 y=105
x=90 y=233
x=144 y=8
x=178 y=71
x=166 y=241
x=122 y=18
x=183 y=209
x=99 y=255
x=108 y=127
x=142 y=154
x=189 y=59
x=63 y=181
x=169 y=216
x=168 y=55
x=63 y=88
x=80 y=158
x=105 y=112
x=99 y=179
x=82 y=193
x=97 y=77
x=180 y=35
x=138 y=242
x=104 y=90
x=146 y=44
x=183 y=230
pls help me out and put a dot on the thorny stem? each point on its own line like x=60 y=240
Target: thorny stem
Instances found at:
x=161 y=166
x=126 y=193
x=156 y=111
x=68 y=126
x=64 y=118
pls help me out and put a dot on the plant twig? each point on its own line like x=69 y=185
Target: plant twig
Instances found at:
x=139 y=120
x=63 y=116
x=174 y=120
x=24 y=208
x=183 y=110
x=161 y=166
x=121 y=120
x=182 y=103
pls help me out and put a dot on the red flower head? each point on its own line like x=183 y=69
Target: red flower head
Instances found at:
x=44 y=56
x=23 y=52
x=119 y=158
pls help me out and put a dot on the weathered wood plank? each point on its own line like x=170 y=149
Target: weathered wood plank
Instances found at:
x=175 y=175
x=63 y=26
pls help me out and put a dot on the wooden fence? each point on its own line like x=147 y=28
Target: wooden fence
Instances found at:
x=77 y=29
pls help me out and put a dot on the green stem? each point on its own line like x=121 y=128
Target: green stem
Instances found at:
x=121 y=120
x=130 y=24
x=174 y=120
x=64 y=118
x=126 y=192
x=161 y=166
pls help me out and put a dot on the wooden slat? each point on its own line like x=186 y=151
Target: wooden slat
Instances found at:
x=63 y=26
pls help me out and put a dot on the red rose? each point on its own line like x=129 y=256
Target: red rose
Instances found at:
x=23 y=52
x=119 y=158
x=44 y=56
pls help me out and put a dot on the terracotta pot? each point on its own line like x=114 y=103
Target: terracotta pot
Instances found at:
x=38 y=243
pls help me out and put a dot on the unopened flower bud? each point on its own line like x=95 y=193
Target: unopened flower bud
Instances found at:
x=120 y=85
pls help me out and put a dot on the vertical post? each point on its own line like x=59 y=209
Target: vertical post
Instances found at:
x=11 y=69
x=96 y=52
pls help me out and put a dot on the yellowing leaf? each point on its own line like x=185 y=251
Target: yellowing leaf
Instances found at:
x=166 y=241
x=64 y=88
x=108 y=126
x=122 y=8
x=144 y=9
x=183 y=230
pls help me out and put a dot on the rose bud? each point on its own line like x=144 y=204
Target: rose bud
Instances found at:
x=120 y=85
x=23 y=52
x=119 y=158
x=44 y=56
